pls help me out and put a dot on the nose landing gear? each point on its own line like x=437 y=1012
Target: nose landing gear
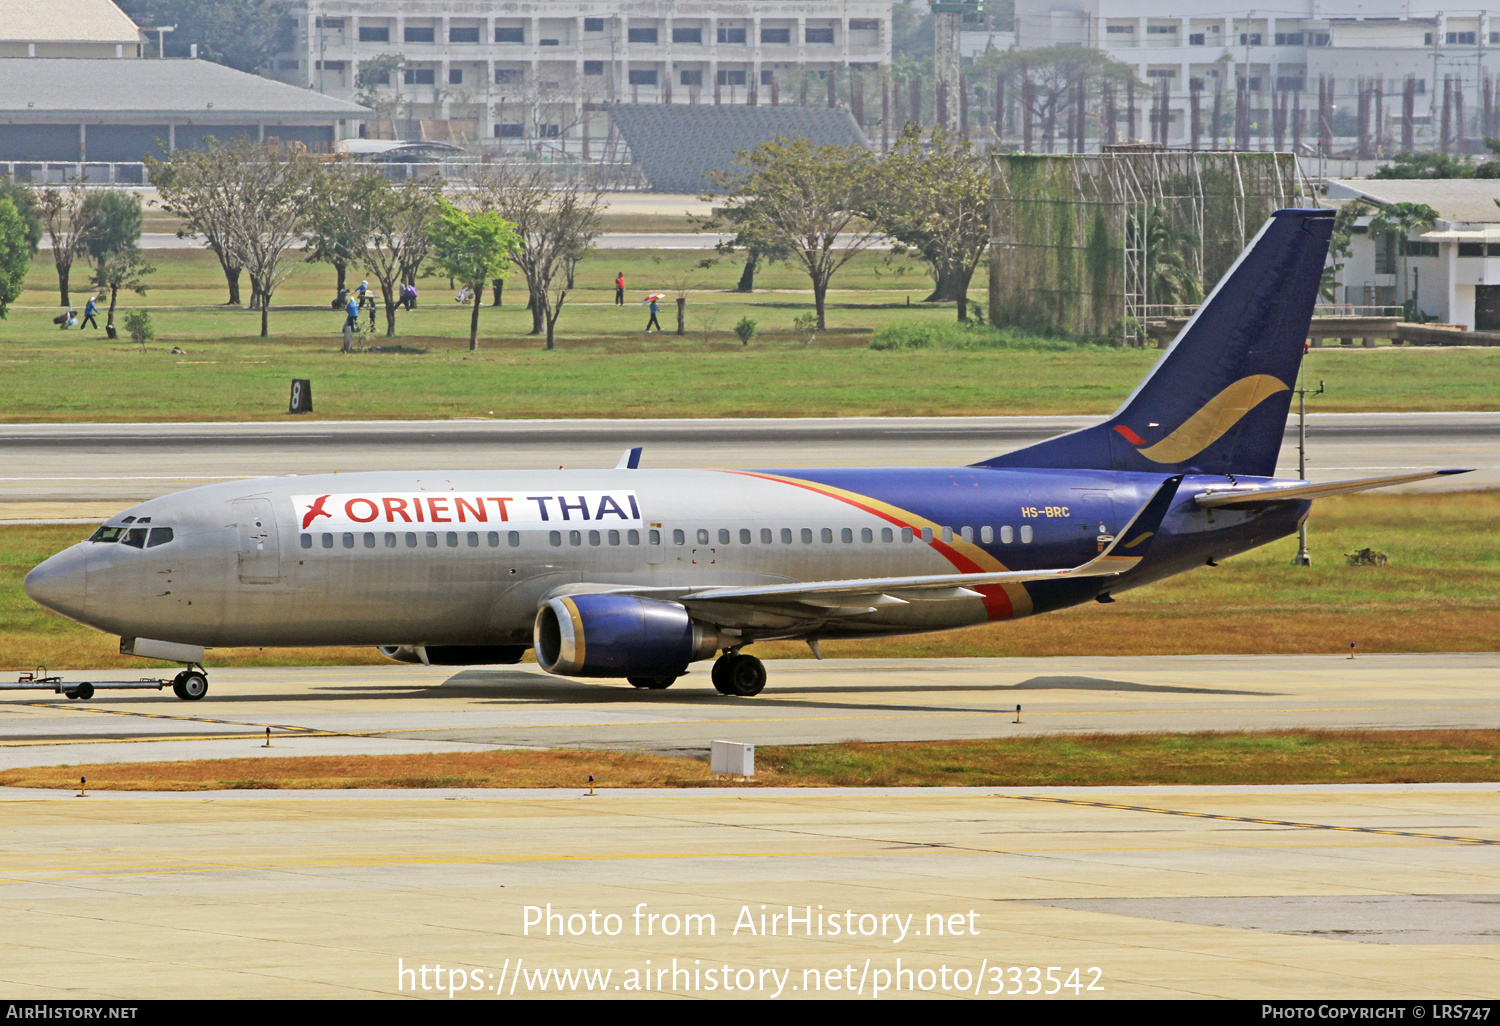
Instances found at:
x=735 y=673
x=190 y=685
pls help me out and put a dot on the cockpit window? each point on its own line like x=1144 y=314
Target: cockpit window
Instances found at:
x=128 y=520
x=107 y=534
x=158 y=536
x=135 y=538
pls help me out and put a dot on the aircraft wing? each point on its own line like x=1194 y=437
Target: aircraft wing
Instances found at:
x=864 y=595
x=1251 y=496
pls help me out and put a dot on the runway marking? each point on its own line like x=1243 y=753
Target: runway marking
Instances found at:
x=1248 y=819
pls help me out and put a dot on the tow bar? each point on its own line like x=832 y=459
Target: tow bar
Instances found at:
x=39 y=680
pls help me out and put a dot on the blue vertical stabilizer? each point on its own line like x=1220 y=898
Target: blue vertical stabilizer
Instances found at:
x=1216 y=402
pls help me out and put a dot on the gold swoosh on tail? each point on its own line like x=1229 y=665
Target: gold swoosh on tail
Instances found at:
x=1137 y=540
x=1218 y=416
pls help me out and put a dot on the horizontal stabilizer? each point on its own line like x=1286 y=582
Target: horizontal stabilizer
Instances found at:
x=1121 y=555
x=1250 y=496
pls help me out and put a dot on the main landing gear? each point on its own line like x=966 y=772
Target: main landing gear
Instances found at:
x=735 y=673
x=190 y=685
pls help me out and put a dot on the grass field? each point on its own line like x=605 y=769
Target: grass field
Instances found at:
x=1440 y=593
x=1276 y=757
x=604 y=365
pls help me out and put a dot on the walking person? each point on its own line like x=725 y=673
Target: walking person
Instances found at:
x=89 y=310
x=351 y=319
x=620 y=289
x=653 y=322
x=408 y=296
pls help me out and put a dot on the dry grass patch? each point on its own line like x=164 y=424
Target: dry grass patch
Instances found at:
x=1270 y=757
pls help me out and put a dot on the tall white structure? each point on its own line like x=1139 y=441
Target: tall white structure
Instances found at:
x=1223 y=43
x=513 y=68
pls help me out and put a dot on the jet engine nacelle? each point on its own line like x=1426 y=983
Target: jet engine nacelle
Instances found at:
x=454 y=655
x=620 y=636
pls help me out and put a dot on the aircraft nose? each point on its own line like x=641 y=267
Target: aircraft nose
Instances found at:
x=60 y=583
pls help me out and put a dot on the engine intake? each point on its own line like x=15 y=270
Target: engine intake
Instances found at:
x=620 y=636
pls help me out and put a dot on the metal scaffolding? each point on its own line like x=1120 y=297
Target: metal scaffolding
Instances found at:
x=1078 y=241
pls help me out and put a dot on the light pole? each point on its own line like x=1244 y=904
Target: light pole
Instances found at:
x=1302 y=558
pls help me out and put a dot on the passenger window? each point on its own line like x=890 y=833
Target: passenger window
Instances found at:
x=786 y=536
x=554 y=537
x=431 y=539
x=906 y=534
x=158 y=536
x=493 y=538
x=744 y=536
x=886 y=534
x=348 y=539
x=947 y=534
x=967 y=534
x=307 y=541
x=411 y=540
x=473 y=539
x=1007 y=535
x=986 y=534
x=593 y=537
x=452 y=539
x=369 y=540
x=614 y=537
x=328 y=541
x=927 y=534
x=866 y=535
x=678 y=538
x=1026 y=535
x=135 y=538
x=634 y=537
x=702 y=536
x=846 y=535
x=723 y=536
x=390 y=541
x=827 y=535
x=766 y=537
x=513 y=539
x=575 y=537
x=807 y=536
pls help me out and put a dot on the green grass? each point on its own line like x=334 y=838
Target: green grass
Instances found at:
x=1441 y=592
x=1274 y=757
x=604 y=366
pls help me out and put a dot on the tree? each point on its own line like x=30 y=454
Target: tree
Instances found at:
x=933 y=200
x=123 y=269
x=200 y=188
x=243 y=34
x=273 y=209
x=398 y=216
x=1170 y=278
x=557 y=225
x=807 y=198
x=65 y=216
x=739 y=224
x=1402 y=219
x=15 y=253
x=1426 y=165
x=338 y=232
x=472 y=249
x=25 y=202
x=1050 y=76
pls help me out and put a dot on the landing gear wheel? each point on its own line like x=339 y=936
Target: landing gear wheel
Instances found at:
x=652 y=683
x=84 y=692
x=742 y=675
x=190 y=685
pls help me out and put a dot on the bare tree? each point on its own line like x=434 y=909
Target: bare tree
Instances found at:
x=398 y=217
x=199 y=187
x=275 y=195
x=557 y=226
x=66 y=215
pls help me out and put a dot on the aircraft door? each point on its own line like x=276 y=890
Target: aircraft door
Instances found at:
x=259 y=543
x=1096 y=518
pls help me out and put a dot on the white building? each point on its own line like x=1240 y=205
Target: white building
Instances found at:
x=1220 y=43
x=1452 y=269
x=511 y=67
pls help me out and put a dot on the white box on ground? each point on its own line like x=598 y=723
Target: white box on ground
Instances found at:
x=732 y=758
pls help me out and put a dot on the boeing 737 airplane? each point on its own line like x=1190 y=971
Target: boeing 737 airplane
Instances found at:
x=639 y=573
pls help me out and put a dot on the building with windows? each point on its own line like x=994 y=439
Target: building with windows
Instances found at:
x=1365 y=51
x=512 y=69
x=1451 y=271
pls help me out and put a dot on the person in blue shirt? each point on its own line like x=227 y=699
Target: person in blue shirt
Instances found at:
x=351 y=320
x=653 y=322
x=89 y=310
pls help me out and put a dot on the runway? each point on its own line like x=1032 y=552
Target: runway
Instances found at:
x=1279 y=894
x=123 y=463
x=402 y=709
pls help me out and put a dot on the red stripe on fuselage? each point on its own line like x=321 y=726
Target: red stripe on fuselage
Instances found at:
x=997 y=603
